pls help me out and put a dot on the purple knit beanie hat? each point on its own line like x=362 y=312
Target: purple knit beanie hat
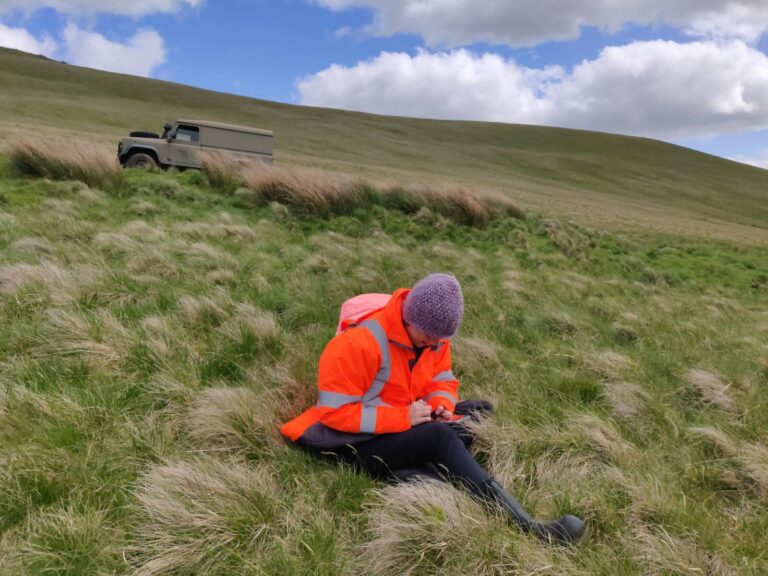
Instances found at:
x=435 y=305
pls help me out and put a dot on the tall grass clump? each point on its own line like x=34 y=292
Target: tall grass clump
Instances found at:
x=308 y=192
x=67 y=161
x=453 y=202
x=205 y=517
x=312 y=192
x=224 y=171
x=429 y=528
x=232 y=420
x=64 y=541
x=710 y=388
x=748 y=459
x=661 y=553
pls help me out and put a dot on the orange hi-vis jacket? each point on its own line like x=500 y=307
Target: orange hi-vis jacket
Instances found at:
x=367 y=380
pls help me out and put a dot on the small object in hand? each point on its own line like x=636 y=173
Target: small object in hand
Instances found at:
x=452 y=419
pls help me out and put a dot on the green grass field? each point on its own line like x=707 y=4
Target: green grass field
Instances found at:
x=154 y=336
x=156 y=328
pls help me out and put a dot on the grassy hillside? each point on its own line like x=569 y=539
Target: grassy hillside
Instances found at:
x=154 y=334
x=600 y=179
x=156 y=328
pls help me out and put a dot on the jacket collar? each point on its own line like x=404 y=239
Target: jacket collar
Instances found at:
x=393 y=315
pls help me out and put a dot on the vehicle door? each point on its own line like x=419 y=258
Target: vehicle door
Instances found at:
x=184 y=146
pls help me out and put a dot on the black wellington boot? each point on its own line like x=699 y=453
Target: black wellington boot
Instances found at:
x=563 y=531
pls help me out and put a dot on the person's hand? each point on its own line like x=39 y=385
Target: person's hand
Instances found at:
x=420 y=412
x=442 y=414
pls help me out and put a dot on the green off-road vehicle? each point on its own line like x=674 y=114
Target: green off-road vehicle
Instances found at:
x=181 y=141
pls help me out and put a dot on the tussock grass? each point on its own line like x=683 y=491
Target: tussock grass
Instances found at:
x=513 y=282
x=59 y=207
x=290 y=395
x=556 y=474
x=48 y=280
x=313 y=192
x=219 y=230
x=159 y=347
x=65 y=188
x=162 y=338
x=429 y=529
x=480 y=350
x=559 y=323
x=655 y=499
x=661 y=553
x=67 y=161
x=20 y=403
x=161 y=187
x=222 y=278
x=608 y=364
x=224 y=171
x=307 y=192
x=100 y=338
x=572 y=241
x=233 y=420
x=205 y=517
x=717 y=438
x=476 y=358
x=627 y=400
x=115 y=243
x=143 y=208
x=453 y=202
x=34 y=244
x=152 y=262
x=203 y=311
x=500 y=446
x=748 y=459
x=710 y=388
x=90 y=197
x=251 y=323
x=753 y=458
x=602 y=438
x=63 y=541
x=13 y=277
x=173 y=392
x=207 y=256
x=140 y=230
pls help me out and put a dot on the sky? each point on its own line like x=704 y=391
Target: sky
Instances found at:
x=690 y=72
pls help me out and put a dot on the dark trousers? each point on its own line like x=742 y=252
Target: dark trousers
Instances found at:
x=433 y=446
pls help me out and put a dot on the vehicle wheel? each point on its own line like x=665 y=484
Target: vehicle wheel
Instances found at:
x=140 y=160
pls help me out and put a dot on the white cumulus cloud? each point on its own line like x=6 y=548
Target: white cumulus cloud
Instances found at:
x=139 y=55
x=660 y=89
x=86 y=7
x=22 y=39
x=666 y=89
x=532 y=22
x=451 y=85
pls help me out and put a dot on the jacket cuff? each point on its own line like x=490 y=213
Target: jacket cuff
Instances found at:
x=436 y=401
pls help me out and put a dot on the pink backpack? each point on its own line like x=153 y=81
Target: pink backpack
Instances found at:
x=358 y=308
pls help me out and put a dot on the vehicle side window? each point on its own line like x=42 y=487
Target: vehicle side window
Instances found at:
x=188 y=133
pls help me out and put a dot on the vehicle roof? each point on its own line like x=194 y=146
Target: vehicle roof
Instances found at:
x=223 y=126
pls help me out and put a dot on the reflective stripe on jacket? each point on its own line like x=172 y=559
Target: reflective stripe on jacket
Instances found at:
x=366 y=383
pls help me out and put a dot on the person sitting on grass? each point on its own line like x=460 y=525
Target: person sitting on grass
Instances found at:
x=388 y=402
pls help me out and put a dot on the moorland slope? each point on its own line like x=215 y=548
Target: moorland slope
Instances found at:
x=595 y=178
